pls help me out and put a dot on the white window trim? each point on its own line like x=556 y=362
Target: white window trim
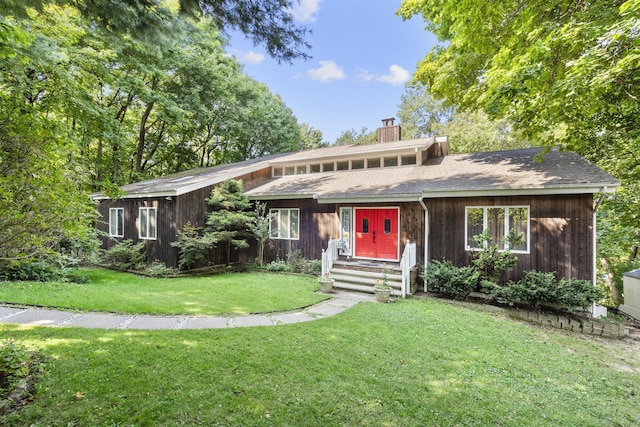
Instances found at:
x=485 y=225
x=121 y=234
x=274 y=213
x=146 y=226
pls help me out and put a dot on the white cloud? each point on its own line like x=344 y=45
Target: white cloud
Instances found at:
x=305 y=10
x=397 y=76
x=250 y=58
x=365 y=76
x=328 y=70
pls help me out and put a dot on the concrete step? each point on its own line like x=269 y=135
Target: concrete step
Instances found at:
x=373 y=275
x=350 y=286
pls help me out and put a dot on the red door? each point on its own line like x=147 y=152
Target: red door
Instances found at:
x=377 y=233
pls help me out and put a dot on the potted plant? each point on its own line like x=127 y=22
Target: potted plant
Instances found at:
x=382 y=288
x=326 y=283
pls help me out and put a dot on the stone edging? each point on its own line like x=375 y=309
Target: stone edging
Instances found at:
x=584 y=325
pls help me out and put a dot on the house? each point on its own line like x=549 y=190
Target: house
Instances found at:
x=368 y=203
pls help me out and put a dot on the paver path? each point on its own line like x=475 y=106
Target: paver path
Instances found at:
x=340 y=301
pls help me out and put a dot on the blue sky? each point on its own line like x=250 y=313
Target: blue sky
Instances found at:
x=362 y=55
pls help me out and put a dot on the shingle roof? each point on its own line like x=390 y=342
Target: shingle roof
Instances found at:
x=496 y=173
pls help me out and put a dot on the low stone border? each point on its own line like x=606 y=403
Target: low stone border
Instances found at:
x=582 y=325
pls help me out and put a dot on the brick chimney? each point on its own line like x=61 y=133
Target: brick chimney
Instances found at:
x=389 y=132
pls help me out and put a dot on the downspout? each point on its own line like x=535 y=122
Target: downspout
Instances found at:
x=597 y=310
x=426 y=236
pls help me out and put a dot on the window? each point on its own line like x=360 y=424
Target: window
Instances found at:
x=327 y=167
x=390 y=161
x=285 y=224
x=498 y=221
x=277 y=171
x=342 y=165
x=357 y=164
x=373 y=163
x=408 y=160
x=387 y=226
x=315 y=168
x=301 y=170
x=148 y=223
x=289 y=170
x=116 y=222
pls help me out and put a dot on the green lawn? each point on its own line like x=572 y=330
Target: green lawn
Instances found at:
x=109 y=291
x=411 y=363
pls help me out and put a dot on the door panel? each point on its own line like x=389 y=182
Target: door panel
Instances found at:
x=377 y=233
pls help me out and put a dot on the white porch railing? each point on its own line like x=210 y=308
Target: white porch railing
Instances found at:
x=329 y=255
x=407 y=262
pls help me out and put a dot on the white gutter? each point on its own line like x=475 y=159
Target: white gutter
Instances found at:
x=426 y=237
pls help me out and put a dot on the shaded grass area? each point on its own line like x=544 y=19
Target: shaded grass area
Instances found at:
x=404 y=364
x=109 y=291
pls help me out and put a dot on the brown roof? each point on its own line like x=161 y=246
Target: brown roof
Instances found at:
x=491 y=173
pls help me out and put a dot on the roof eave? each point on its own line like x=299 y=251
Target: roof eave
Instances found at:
x=541 y=191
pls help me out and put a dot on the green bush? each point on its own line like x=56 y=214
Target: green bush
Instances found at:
x=126 y=256
x=537 y=287
x=19 y=371
x=29 y=269
x=158 y=269
x=279 y=265
x=192 y=247
x=443 y=278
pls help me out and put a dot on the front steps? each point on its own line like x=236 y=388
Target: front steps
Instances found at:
x=362 y=276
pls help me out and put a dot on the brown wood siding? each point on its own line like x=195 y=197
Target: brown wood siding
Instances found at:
x=159 y=249
x=561 y=232
x=172 y=215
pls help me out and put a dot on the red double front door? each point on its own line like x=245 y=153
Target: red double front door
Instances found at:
x=377 y=233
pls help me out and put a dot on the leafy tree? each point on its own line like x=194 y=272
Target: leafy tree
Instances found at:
x=420 y=113
x=192 y=247
x=260 y=228
x=230 y=218
x=311 y=138
x=352 y=136
x=266 y=22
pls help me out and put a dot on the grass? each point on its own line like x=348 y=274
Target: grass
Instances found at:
x=403 y=364
x=109 y=291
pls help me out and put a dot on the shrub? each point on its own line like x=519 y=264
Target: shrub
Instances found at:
x=491 y=261
x=442 y=277
x=126 y=256
x=158 y=269
x=537 y=287
x=192 y=247
x=19 y=371
x=279 y=265
x=37 y=270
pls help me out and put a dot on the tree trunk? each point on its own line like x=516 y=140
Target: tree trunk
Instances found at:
x=142 y=137
x=610 y=282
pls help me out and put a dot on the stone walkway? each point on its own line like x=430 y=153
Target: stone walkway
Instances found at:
x=340 y=301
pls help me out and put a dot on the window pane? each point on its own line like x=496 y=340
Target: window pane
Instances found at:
x=343 y=166
x=373 y=163
x=295 y=224
x=315 y=168
x=327 y=167
x=390 y=161
x=495 y=224
x=289 y=170
x=475 y=225
x=409 y=160
x=301 y=170
x=277 y=171
x=365 y=225
x=120 y=222
x=518 y=222
x=387 y=226
x=283 y=225
x=273 y=228
x=152 y=224
x=143 y=223
x=357 y=164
